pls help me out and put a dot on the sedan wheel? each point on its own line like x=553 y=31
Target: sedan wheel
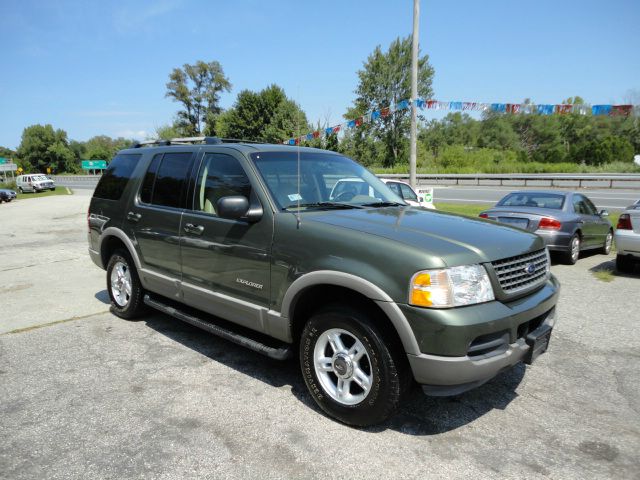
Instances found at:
x=571 y=256
x=606 y=248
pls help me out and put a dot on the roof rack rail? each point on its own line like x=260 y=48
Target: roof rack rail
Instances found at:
x=179 y=141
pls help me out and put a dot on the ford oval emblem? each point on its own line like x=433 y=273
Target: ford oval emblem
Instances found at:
x=530 y=268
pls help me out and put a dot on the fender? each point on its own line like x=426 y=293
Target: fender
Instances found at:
x=120 y=235
x=360 y=285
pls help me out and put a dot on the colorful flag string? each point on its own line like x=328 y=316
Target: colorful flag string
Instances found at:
x=510 y=108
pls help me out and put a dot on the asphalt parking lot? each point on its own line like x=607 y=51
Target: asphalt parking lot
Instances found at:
x=84 y=394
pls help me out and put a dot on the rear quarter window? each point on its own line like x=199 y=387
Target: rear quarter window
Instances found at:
x=116 y=176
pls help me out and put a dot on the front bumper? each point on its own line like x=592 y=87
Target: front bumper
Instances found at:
x=447 y=365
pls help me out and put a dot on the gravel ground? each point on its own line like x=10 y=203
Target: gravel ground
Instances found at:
x=84 y=394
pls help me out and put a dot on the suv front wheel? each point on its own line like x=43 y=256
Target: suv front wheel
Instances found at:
x=349 y=370
x=123 y=285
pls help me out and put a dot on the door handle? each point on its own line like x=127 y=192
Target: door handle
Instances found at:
x=133 y=217
x=195 y=229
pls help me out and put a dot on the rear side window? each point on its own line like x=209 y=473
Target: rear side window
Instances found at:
x=115 y=178
x=165 y=181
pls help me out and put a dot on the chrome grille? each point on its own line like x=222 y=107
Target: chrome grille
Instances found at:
x=513 y=275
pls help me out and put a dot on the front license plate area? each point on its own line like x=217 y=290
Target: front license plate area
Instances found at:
x=538 y=342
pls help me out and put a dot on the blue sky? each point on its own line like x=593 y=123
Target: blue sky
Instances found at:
x=101 y=67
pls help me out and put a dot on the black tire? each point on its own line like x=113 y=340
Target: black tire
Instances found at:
x=381 y=362
x=20 y=189
x=125 y=305
x=624 y=263
x=608 y=241
x=570 y=257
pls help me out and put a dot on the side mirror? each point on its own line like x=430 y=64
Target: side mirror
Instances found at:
x=236 y=208
x=604 y=213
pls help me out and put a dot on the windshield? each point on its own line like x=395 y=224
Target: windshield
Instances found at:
x=324 y=178
x=533 y=199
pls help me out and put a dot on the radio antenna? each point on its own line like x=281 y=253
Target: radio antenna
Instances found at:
x=298 y=149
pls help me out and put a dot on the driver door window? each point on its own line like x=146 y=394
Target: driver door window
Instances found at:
x=220 y=176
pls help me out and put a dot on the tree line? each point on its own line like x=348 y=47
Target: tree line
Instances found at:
x=457 y=143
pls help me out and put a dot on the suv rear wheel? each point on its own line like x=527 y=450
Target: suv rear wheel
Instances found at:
x=348 y=368
x=123 y=285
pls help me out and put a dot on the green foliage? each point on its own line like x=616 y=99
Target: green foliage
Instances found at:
x=7 y=152
x=267 y=116
x=169 y=131
x=43 y=147
x=197 y=87
x=103 y=147
x=384 y=81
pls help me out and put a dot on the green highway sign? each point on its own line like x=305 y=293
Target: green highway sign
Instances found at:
x=94 y=164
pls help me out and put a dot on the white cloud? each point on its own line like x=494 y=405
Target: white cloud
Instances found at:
x=135 y=134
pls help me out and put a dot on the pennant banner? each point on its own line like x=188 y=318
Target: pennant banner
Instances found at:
x=511 y=108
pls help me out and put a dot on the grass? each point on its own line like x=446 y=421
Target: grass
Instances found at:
x=604 y=274
x=471 y=210
x=47 y=193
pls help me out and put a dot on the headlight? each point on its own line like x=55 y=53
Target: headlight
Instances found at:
x=451 y=287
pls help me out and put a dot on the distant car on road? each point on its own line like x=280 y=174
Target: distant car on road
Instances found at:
x=628 y=238
x=6 y=195
x=567 y=221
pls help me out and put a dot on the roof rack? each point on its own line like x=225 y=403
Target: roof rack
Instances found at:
x=191 y=140
x=179 y=141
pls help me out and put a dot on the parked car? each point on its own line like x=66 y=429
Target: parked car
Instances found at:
x=371 y=293
x=627 y=237
x=408 y=194
x=6 y=195
x=567 y=221
x=35 y=182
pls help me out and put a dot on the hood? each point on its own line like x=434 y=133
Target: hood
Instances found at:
x=456 y=239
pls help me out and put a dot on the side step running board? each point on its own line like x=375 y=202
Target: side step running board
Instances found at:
x=278 y=353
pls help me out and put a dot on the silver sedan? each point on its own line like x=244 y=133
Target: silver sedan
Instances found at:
x=567 y=221
x=628 y=238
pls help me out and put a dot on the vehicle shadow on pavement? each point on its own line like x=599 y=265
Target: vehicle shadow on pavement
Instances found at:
x=610 y=266
x=420 y=414
x=103 y=296
x=424 y=415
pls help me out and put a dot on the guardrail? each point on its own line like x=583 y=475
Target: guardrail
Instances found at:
x=527 y=179
x=484 y=179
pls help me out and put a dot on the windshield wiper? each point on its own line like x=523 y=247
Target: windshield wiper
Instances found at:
x=322 y=205
x=384 y=204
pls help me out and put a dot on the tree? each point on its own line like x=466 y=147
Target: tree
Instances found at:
x=169 y=131
x=6 y=152
x=43 y=147
x=267 y=116
x=384 y=81
x=103 y=147
x=197 y=87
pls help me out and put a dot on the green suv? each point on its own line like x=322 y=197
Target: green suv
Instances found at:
x=244 y=241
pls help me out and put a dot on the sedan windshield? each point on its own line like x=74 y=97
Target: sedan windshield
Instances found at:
x=326 y=180
x=533 y=199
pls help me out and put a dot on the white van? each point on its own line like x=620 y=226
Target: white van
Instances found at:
x=35 y=182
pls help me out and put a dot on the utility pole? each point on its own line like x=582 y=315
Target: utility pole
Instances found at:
x=414 y=94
